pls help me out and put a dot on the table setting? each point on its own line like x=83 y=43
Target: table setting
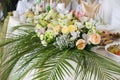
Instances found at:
x=60 y=40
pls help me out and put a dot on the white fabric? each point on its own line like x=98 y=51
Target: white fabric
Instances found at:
x=116 y=14
x=53 y=5
x=115 y=28
x=1 y=12
x=89 y=1
x=61 y=8
x=68 y=7
x=23 y=6
x=110 y=14
x=115 y=17
x=12 y=22
x=76 y=6
x=105 y=11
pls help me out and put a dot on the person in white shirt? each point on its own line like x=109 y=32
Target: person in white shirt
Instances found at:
x=110 y=15
x=24 y=5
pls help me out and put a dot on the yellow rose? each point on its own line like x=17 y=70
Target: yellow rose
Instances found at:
x=71 y=28
x=81 y=44
x=65 y=30
x=95 y=38
x=31 y=15
x=57 y=28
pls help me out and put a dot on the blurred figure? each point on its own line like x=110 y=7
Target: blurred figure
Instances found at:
x=24 y=5
x=1 y=11
x=8 y=6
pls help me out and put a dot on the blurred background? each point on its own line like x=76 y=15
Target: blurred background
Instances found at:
x=7 y=6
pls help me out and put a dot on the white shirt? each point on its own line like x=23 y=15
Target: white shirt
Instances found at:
x=23 y=6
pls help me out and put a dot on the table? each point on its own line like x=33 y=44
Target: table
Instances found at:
x=15 y=22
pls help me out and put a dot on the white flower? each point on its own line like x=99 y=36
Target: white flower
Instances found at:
x=84 y=19
x=89 y=25
x=44 y=43
x=61 y=8
x=79 y=25
x=75 y=35
x=54 y=22
x=92 y=21
x=63 y=22
x=61 y=15
x=94 y=29
x=86 y=38
x=41 y=16
x=29 y=20
x=41 y=37
x=70 y=15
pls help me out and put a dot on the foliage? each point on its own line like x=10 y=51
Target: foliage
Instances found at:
x=51 y=63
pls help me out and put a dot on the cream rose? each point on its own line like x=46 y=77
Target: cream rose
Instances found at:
x=57 y=28
x=65 y=30
x=49 y=25
x=81 y=44
x=95 y=38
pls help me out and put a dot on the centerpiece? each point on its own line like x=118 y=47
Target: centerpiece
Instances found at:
x=68 y=30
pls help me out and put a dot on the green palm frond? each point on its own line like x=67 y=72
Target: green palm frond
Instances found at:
x=22 y=26
x=25 y=53
x=92 y=64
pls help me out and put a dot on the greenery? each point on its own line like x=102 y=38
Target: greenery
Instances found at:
x=51 y=63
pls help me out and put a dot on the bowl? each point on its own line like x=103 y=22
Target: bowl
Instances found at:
x=110 y=54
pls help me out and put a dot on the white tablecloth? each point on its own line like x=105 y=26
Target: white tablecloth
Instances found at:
x=12 y=22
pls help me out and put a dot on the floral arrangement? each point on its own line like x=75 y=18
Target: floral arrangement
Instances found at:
x=67 y=30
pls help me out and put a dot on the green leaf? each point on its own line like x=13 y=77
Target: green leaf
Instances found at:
x=25 y=53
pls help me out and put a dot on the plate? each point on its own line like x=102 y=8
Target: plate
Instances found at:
x=112 y=55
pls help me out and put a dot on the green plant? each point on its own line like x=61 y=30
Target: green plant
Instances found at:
x=51 y=63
